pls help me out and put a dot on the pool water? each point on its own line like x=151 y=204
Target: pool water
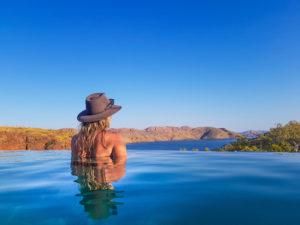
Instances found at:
x=153 y=187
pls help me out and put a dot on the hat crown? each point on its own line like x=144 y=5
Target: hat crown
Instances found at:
x=96 y=103
x=98 y=107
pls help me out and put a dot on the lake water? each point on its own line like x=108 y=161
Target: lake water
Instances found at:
x=177 y=145
x=153 y=187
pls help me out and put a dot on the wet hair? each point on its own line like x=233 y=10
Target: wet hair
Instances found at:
x=85 y=142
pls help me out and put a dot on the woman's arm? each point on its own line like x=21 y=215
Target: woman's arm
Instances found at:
x=119 y=149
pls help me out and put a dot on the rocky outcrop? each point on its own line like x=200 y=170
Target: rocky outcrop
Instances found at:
x=13 y=138
x=253 y=133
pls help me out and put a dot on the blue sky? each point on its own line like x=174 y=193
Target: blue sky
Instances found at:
x=232 y=64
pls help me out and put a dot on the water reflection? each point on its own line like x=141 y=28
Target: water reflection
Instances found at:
x=95 y=178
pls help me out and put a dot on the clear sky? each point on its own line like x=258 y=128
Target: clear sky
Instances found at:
x=232 y=64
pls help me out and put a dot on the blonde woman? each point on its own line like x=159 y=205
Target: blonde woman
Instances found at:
x=93 y=139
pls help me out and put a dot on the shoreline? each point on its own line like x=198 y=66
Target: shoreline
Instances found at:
x=14 y=138
x=131 y=143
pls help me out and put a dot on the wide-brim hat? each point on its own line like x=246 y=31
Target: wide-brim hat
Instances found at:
x=98 y=107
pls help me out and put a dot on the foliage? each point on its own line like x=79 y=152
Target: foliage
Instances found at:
x=279 y=139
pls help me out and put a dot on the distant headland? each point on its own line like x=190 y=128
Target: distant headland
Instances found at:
x=14 y=138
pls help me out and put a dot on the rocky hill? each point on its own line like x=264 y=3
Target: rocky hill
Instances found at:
x=169 y=133
x=13 y=138
x=253 y=133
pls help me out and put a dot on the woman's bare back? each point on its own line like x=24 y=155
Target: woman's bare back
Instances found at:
x=112 y=146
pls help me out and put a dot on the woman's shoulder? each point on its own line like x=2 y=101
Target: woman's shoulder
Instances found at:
x=114 y=136
x=110 y=137
x=74 y=138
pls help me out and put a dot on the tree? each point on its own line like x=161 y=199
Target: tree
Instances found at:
x=279 y=139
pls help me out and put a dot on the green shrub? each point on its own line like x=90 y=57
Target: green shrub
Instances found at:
x=279 y=139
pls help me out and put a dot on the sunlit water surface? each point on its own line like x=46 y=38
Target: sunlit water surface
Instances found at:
x=159 y=187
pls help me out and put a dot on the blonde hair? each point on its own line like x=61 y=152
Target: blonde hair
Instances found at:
x=85 y=142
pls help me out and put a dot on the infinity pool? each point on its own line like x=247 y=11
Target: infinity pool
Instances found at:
x=153 y=187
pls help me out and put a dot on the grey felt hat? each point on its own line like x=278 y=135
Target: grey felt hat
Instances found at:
x=98 y=107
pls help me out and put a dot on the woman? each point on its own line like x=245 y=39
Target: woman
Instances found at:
x=93 y=139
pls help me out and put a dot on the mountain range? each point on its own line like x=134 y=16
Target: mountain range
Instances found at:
x=169 y=133
x=39 y=139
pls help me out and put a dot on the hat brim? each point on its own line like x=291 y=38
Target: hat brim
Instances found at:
x=85 y=118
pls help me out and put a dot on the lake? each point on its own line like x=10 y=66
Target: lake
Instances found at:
x=177 y=145
x=158 y=185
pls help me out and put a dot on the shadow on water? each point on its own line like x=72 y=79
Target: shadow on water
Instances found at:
x=95 y=178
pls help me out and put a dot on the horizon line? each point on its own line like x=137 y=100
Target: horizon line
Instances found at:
x=151 y=126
